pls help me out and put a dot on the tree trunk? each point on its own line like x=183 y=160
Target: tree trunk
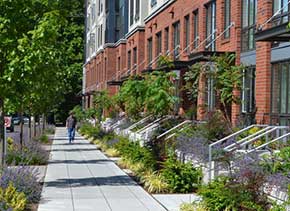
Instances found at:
x=21 y=129
x=2 y=134
x=30 y=129
x=34 y=125
x=43 y=122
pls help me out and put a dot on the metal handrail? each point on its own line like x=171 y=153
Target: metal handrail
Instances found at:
x=139 y=122
x=248 y=137
x=253 y=139
x=175 y=127
x=266 y=144
x=236 y=133
x=148 y=125
x=154 y=125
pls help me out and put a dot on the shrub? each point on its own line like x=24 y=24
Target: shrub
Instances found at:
x=32 y=153
x=44 y=139
x=24 y=180
x=192 y=207
x=154 y=182
x=91 y=131
x=133 y=152
x=181 y=177
x=11 y=199
x=111 y=152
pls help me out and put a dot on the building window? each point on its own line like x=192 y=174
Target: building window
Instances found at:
x=137 y=10
x=153 y=3
x=210 y=94
x=187 y=33
x=283 y=15
x=249 y=24
x=248 y=90
x=149 y=51
x=166 y=39
x=119 y=64
x=227 y=17
x=101 y=35
x=158 y=43
x=93 y=12
x=195 y=29
x=135 y=56
x=211 y=25
x=281 y=92
x=176 y=39
x=99 y=8
x=131 y=12
x=129 y=60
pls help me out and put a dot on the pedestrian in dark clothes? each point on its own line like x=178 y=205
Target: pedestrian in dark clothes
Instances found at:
x=71 y=122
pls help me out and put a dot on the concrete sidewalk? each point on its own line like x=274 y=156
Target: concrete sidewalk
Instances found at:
x=79 y=178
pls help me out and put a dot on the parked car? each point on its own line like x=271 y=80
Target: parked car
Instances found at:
x=10 y=127
x=16 y=120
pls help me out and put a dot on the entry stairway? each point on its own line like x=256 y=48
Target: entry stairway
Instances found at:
x=256 y=140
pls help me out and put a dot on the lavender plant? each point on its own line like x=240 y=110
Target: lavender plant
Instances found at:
x=31 y=154
x=24 y=179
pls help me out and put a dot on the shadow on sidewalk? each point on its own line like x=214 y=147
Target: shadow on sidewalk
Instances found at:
x=123 y=180
x=99 y=161
x=75 y=150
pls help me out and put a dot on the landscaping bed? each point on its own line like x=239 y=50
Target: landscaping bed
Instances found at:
x=21 y=180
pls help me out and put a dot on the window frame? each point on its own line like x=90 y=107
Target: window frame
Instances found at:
x=195 y=28
x=211 y=25
x=187 y=32
x=129 y=62
x=248 y=31
x=158 y=43
x=227 y=18
x=176 y=38
x=150 y=50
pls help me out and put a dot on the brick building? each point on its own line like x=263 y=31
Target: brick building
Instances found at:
x=193 y=31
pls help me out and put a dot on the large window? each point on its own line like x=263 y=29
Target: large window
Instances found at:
x=186 y=33
x=281 y=7
x=129 y=60
x=211 y=25
x=248 y=90
x=158 y=43
x=137 y=10
x=227 y=17
x=195 y=29
x=176 y=39
x=131 y=12
x=281 y=92
x=149 y=49
x=135 y=56
x=248 y=24
x=166 y=39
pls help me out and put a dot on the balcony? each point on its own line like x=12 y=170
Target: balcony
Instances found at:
x=279 y=30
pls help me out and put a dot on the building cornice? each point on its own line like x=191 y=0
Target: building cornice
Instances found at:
x=120 y=41
x=137 y=28
x=159 y=10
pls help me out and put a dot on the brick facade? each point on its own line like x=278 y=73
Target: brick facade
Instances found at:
x=113 y=63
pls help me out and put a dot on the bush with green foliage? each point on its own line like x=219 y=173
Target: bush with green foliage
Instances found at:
x=180 y=177
x=135 y=153
x=11 y=199
x=94 y=132
x=32 y=153
x=44 y=139
x=24 y=179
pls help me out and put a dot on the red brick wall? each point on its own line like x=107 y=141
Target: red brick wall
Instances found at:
x=263 y=66
x=121 y=53
x=136 y=40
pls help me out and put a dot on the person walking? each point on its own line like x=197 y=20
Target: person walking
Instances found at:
x=71 y=122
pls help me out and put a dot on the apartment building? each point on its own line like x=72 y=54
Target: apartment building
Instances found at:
x=106 y=23
x=193 y=31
